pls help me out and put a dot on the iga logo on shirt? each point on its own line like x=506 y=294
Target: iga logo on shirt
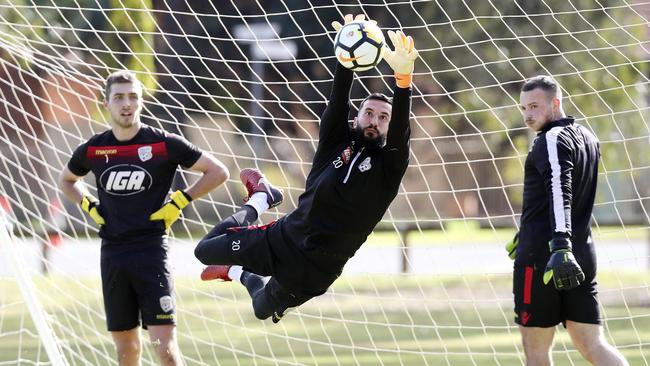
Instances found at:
x=125 y=180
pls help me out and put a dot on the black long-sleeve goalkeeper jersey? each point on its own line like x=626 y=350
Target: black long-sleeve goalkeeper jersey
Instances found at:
x=560 y=179
x=349 y=188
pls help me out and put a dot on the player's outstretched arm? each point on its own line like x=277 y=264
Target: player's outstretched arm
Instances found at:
x=333 y=121
x=342 y=83
x=402 y=61
x=402 y=58
x=73 y=188
x=214 y=174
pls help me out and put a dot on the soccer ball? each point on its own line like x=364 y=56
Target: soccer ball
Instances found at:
x=359 y=46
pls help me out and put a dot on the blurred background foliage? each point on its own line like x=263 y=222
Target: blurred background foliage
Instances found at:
x=468 y=136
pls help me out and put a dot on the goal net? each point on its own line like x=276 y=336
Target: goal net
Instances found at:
x=247 y=82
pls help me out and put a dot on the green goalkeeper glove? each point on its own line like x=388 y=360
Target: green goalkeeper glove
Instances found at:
x=171 y=211
x=512 y=245
x=90 y=205
x=562 y=267
x=402 y=59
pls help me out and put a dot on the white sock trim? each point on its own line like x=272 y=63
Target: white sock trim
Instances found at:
x=258 y=202
x=235 y=273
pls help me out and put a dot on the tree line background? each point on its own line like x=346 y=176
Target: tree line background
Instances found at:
x=469 y=141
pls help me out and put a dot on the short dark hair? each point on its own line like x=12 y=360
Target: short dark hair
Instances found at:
x=119 y=77
x=544 y=82
x=376 y=96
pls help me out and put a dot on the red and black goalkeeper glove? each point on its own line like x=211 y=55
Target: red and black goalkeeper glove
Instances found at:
x=562 y=267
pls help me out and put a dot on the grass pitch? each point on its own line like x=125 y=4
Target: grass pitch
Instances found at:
x=362 y=320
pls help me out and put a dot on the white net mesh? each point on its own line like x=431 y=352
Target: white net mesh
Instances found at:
x=247 y=82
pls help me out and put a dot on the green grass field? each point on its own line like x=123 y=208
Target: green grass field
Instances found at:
x=458 y=232
x=377 y=320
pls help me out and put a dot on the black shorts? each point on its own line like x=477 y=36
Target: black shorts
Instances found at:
x=247 y=246
x=138 y=285
x=540 y=305
x=266 y=251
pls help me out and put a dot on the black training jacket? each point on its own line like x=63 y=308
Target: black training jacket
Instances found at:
x=560 y=179
x=350 y=188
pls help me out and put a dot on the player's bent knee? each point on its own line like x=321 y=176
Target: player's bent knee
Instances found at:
x=262 y=314
x=200 y=252
x=588 y=353
x=261 y=307
x=128 y=350
x=209 y=251
x=204 y=251
x=166 y=354
x=590 y=350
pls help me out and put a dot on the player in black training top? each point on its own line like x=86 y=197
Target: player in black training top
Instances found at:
x=554 y=242
x=134 y=166
x=355 y=176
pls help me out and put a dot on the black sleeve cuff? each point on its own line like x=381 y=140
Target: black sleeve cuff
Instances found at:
x=187 y=196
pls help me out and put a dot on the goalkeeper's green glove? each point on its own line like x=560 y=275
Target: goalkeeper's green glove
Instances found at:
x=171 y=211
x=90 y=204
x=511 y=246
x=402 y=59
x=562 y=267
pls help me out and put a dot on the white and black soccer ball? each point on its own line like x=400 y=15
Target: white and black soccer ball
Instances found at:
x=359 y=46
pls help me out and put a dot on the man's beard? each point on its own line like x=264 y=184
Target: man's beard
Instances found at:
x=128 y=123
x=369 y=142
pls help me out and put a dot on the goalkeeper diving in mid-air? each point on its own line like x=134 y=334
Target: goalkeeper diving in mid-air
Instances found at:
x=355 y=176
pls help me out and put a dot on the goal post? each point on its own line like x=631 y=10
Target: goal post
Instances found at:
x=38 y=315
x=247 y=82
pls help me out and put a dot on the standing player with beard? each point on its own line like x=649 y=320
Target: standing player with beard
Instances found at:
x=554 y=279
x=355 y=176
x=134 y=166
